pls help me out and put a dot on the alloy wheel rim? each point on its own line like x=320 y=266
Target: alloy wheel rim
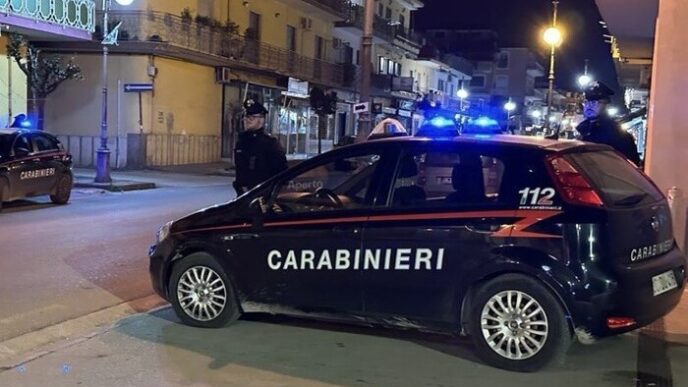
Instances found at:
x=514 y=325
x=202 y=294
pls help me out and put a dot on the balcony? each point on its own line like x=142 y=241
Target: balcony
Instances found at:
x=382 y=29
x=388 y=83
x=336 y=7
x=64 y=18
x=171 y=35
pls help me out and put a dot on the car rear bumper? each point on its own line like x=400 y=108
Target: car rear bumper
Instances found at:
x=632 y=298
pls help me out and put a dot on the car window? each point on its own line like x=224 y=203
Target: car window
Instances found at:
x=5 y=144
x=23 y=142
x=428 y=178
x=340 y=184
x=44 y=143
x=620 y=183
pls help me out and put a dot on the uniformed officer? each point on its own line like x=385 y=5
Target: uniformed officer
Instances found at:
x=598 y=127
x=257 y=155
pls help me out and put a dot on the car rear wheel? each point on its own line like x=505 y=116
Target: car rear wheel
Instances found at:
x=201 y=293
x=517 y=324
x=63 y=190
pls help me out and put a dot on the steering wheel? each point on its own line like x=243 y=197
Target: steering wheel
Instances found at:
x=329 y=195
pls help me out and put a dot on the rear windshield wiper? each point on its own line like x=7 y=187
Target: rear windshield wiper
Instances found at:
x=631 y=199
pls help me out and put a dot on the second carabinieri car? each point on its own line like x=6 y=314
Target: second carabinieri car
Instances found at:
x=522 y=243
x=34 y=163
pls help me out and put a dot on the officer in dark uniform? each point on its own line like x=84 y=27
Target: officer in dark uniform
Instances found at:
x=598 y=127
x=257 y=155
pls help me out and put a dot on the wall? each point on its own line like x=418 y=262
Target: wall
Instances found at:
x=668 y=127
x=18 y=87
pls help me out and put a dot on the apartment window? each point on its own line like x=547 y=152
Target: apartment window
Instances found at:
x=382 y=65
x=440 y=85
x=319 y=47
x=358 y=57
x=380 y=9
x=388 y=13
x=402 y=20
x=291 y=38
x=254 y=25
x=503 y=60
x=478 y=81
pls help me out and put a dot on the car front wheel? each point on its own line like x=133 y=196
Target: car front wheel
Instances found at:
x=517 y=324
x=201 y=292
x=63 y=190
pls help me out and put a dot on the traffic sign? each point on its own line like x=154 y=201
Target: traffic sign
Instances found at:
x=361 y=107
x=137 y=87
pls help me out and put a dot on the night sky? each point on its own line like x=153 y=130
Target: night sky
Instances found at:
x=520 y=22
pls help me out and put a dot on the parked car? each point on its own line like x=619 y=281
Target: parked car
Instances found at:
x=522 y=243
x=33 y=163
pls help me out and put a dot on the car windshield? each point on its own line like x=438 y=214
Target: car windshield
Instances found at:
x=620 y=183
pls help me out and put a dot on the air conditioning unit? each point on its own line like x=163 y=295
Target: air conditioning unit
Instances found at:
x=336 y=43
x=223 y=75
x=306 y=23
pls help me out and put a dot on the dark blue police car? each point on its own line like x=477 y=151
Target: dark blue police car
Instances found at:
x=522 y=243
x=33 y=163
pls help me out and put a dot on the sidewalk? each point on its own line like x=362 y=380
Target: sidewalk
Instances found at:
x=153 y=177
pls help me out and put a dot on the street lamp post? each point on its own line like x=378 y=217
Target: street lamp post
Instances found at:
x=103 y=153
x=553 y=37
x=510 y=106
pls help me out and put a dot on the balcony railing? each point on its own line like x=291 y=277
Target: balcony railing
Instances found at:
x=381 y=26
x=186 y=34
x=337 y=7
x=78 y=14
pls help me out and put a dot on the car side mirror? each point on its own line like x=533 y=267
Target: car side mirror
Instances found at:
x=21 y=151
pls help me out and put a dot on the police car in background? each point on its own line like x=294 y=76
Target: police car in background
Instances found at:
x=33 y=163
x=522 y=243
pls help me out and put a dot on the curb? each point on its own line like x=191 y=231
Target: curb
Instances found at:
x=34 y=345
x=117 y=186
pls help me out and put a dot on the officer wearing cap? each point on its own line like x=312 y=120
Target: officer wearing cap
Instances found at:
x=257 y=155
x=598 y=127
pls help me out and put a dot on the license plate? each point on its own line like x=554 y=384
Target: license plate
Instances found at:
x=663 y=283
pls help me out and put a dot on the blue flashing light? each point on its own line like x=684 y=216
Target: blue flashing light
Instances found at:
x=482 y=136
x=485 y=122
x=442 y=122
x=25 y=124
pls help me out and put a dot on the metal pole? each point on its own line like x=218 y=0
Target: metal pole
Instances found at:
x=551 y=73
x=103 y=153
x=9 y=86
x=366 y=68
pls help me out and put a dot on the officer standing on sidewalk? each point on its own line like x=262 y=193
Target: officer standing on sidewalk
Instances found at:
x=598 y=127
x=257 y=155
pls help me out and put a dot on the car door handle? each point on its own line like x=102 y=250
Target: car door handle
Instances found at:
x=234 y=237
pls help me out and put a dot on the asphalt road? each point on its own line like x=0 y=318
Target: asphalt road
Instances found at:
x=61 y=262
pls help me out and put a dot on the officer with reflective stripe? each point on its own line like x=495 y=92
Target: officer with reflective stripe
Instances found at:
x=257 y=155
x=598 y=127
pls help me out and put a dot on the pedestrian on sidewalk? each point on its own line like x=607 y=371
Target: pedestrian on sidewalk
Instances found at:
x=598 y=127
x=257 y=155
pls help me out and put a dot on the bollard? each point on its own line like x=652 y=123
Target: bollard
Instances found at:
x=677 y=207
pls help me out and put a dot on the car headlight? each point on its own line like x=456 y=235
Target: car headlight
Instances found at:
x=163 y=232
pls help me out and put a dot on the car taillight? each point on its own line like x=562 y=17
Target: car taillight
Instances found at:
x=571 y=184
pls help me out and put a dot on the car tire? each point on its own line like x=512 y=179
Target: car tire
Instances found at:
x=63 y=190
x=197 y=285
x=517 y=324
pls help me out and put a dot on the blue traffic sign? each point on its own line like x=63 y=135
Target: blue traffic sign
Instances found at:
x=137 y=87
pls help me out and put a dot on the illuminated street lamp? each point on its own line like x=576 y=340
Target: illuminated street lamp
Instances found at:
x=584 y=80
x=553 y=37
x=510 y=106
x=462 y=94
x=613 y=111
x=536 y=114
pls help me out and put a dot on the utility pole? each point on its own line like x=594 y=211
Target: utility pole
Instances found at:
x=553 y=47
x=364 y=119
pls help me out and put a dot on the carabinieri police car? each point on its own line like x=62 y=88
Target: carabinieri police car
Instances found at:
x=33 y=163
x=522 y=243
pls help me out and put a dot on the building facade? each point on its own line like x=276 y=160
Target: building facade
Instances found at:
x=60 y=19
